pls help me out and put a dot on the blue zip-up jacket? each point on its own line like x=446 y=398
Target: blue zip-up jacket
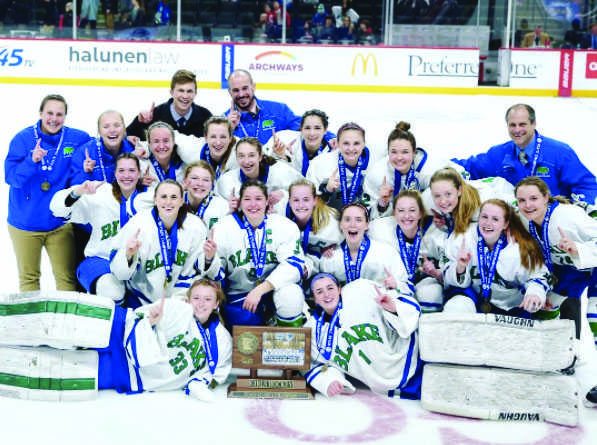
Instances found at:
x=270 y=116
x=28 y=204
x=79 y=176
x=558 y=165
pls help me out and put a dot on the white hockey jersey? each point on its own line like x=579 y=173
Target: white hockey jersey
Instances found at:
x=178 y=171
x=322 y=168
x=424 y=167
x=369 y=343
x=580 y=228
x=297 y=154
x=173 y=353
x=216 y=209
x=432 y=243
x=283 y=260
x=146 y=275
x=379 y=257
x=279 y=177
x=511 y=282
x=190 y=147
x=102 y=212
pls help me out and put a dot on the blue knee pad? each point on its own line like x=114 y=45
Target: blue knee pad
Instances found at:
x=90 y=269
x=234 y=314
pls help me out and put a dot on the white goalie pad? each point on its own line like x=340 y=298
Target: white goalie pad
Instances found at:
x=58 y=319
x=497 y=340
x=500 y=394
x=48 y=374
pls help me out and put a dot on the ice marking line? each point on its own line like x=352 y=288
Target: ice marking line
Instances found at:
x=388 y=419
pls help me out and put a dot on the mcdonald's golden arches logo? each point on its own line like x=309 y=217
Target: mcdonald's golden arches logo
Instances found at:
x=364 y=62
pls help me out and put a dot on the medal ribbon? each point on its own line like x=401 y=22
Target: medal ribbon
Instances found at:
x=160 y=172
x=536 y=156
x=48 y=166
x=544 y=239
x=206 y=156
x=306 y=160
x=100 y=159
x=210 y=343
x=409 y=255
x=350 y=194
x=329 y=341
x=487 y=268
x=203 y=206
x=257 y=255
x=410 y=182
x=354 y=272
x=168 y=244
x=124 y=216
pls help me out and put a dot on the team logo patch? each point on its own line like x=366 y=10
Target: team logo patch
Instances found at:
x=68 y=151
x=542 y=171
x=268 y=123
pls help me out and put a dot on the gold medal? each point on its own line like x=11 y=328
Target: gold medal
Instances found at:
x=485 y=307
x=324 y=368
x=45 y=186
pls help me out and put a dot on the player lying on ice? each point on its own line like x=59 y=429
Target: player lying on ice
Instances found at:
x=367 y=333
x=168 y=345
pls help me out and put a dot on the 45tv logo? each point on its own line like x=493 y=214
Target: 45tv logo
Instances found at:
x=13 y=57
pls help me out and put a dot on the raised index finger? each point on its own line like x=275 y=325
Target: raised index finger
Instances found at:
x=87 y=154
x=562 y=232
x=379 y=294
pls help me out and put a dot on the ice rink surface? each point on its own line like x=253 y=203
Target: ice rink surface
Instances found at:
x=444 y=125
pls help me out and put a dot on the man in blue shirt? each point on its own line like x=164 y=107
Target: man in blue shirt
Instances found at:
x=532 y=154
x=258 y=118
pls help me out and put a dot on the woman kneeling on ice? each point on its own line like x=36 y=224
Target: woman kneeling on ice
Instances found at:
x=367 y=333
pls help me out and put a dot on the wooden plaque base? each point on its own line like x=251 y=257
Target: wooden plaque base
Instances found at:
x=269 y=393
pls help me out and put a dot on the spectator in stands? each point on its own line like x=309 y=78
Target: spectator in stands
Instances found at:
x=521 y=32
x=536 y=39
x=66 y=20
x=574 y=37
x=306 y=34
x=328 y=31
x=319 y=17
x=89 y=10
x=590 y=40
x=110 y=8
x=180 y=111
x=346 y=31
x=364 y=33
x=137 y=17
x=162 y=13
x=50 y=15
x=277 y=9
x=340 y=11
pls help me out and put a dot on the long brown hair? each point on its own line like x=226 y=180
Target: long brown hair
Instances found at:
x=413 y=194
x=221 y=120
x=468 y=202
x=116 y=192
x=531 y=256
x=322 y=213
x=542 y=187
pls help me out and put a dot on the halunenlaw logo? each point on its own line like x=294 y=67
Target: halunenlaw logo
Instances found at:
x=108 y=56
x=364 y=63
x=277 y=61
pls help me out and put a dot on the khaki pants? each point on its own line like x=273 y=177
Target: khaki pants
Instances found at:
x=59 y=244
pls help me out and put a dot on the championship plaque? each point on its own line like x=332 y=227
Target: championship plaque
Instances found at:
x=266 y=347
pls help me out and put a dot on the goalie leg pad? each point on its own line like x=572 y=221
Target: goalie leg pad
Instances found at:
x=48 y=374
x=430 y=294
x=497 y=340
x=500 y=394
x=59 y=319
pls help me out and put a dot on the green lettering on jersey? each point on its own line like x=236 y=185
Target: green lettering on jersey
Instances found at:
x=367 y=331
x=110 y=230
x=181 y=257
x=342 y=358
